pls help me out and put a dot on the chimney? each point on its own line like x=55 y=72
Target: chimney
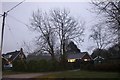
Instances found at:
x=21 y=49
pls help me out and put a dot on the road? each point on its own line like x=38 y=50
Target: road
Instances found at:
x=27 y=76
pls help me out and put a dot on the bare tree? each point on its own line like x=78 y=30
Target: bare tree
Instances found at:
x=40 y=22
x=66 y=26
x=110 y=9
x=55 y=30
x=101 y=36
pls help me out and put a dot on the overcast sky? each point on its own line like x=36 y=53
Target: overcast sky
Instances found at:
x=16 y=32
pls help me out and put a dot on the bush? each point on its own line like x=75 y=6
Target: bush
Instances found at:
x=110 y=66
x=51 y=65
x=87 y=65
x=43 y=66
x=19 y=65
x=37 y=66
x=107 y=67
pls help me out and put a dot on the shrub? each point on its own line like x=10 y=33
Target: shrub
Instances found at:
x=37 y=66
x=43 y=66
x=87 y=65
x=51 y=65
x=19 y=65
x=107 y=67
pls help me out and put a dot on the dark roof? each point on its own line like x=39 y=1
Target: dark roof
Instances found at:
x=4 y=58
x=75 y=56
x=98 y=58
x=13 y=55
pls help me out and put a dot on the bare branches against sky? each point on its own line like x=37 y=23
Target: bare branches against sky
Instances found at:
x=80 y=10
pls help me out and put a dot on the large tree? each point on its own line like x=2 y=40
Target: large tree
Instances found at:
x=67 y=27
x=101 y=36
x=40 y=22
x=110 y=11
x=55 y=29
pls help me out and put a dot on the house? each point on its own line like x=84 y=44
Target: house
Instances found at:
x=9 y=58
x=98 y=59
x=83 y=56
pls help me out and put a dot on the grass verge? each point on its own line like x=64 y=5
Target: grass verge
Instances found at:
x=81 y=74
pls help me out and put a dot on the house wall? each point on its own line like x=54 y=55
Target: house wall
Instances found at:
x=21 y=56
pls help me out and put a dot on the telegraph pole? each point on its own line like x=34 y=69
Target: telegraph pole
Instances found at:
x=1 y=46
x=2 y=35
x=3 y=23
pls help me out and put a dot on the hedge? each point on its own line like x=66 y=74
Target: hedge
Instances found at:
x=37 y=66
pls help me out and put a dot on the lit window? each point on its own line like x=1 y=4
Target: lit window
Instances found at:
x=71 y=60
x=85 y=59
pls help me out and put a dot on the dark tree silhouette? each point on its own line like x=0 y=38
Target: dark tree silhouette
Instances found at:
x=72 y=48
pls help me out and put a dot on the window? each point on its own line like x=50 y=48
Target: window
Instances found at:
x=85 y=59
x=71 y=60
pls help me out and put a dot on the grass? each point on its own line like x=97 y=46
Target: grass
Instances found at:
x=82 y=74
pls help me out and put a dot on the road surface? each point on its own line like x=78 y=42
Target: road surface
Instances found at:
x=27 y=76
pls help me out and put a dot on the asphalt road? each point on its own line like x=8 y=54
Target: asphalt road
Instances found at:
x=27 y=76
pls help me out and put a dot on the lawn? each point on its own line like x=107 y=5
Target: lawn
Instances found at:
x=82 y=74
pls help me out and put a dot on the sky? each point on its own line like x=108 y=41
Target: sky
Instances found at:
x=16 y=32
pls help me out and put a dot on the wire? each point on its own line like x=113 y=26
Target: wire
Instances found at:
x=4 y=18
x=15 y=6
x=12 y=34
x=17 y=20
